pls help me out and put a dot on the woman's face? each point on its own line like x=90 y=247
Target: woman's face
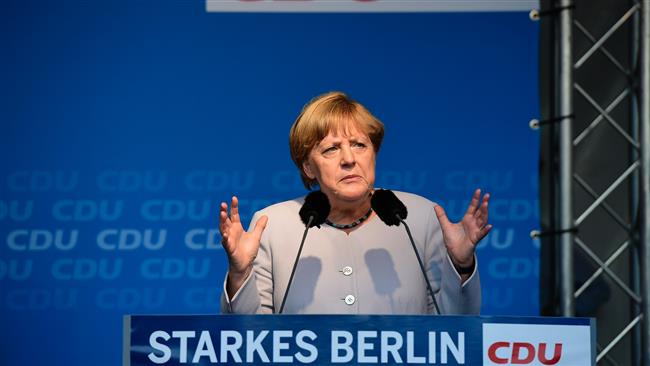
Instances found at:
x=344 y=165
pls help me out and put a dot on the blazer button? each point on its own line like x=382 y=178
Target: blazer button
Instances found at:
x=347 y=270
x=350 y=299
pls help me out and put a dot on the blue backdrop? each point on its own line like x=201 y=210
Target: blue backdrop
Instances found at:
x=125 y=123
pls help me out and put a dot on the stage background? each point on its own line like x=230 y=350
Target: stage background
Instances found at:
x=125 y=123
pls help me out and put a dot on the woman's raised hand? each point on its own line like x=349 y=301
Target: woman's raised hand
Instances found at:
x=462 y=237
x=241 y=246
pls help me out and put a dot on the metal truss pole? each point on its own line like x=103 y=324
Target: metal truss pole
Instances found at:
x=644 y=136
x=610 y=114
x=565 y=34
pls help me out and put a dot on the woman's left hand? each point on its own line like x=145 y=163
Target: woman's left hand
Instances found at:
x=462 y=237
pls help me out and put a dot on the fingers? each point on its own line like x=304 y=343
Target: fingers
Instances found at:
x=442 y=216
x=471 y=209
x=483 y=232
x=222 y=207
x=226 y=220
x=223 y=217
x=259 y=227
x=230 y=224
x=481 y=214
x=234 y=210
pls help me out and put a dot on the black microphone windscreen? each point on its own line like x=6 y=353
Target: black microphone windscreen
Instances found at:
x=316 y=205
x=387 y=206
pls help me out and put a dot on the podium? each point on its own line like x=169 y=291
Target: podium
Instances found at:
x=356 y=339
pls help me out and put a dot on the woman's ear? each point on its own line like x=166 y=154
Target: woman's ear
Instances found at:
x=306 y=167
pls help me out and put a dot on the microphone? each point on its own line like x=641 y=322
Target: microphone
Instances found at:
x=393 y=212
x=388 y=207
x=313 y=212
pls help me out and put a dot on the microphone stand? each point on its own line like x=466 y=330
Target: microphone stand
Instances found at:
x=295 y=263
x=424 y=273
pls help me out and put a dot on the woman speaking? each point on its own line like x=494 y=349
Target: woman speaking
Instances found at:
x=354 y=263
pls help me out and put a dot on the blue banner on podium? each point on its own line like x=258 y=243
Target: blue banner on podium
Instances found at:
x=351 y=340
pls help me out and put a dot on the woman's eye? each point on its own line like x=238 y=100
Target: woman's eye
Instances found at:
x=359 y=145
x=329 y=150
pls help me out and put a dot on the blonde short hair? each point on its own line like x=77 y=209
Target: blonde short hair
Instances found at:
x=329 y=112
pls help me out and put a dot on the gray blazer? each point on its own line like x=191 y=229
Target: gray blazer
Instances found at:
x=373 y=270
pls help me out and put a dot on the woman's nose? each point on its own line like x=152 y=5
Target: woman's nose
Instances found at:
x=347 y=157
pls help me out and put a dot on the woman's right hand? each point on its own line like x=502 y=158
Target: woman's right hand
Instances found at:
x=241 y=246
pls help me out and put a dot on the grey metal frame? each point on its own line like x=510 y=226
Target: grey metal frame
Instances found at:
x=637 y=172
x=567 y=303
x=644 y=137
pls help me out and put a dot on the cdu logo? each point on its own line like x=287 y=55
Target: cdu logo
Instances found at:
x=536 y=345
x=523 y=353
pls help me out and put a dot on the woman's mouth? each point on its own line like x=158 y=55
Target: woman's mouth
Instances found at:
x=352 y=177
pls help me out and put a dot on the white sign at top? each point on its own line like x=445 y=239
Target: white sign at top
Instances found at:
x=368 y=6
